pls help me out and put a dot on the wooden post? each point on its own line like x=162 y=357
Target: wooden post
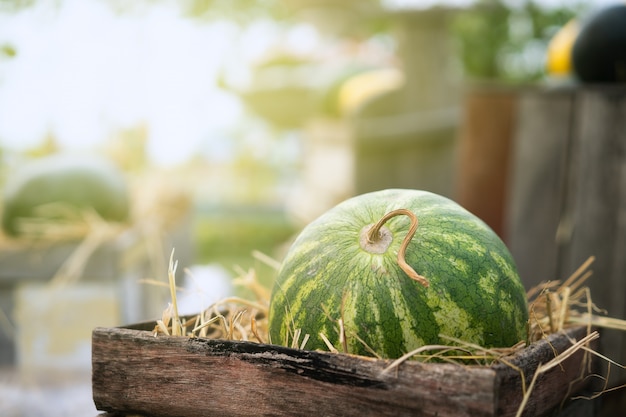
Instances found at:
x=597 y=207
x=537 y=181
x=405 y=138
x=485 y=138
x=568 y=198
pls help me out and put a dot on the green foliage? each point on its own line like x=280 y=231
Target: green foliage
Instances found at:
x=15 y=5
x=481 y=36
x=499 y=42
x=238 y=10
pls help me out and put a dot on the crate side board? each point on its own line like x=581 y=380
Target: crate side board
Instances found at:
x=135 y=372
x=552 y=388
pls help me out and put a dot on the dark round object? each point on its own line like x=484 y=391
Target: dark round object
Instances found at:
x=77 y=182
x=599 y=52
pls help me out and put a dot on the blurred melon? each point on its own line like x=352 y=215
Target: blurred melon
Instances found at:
x=283 y=91
x=599 y=52
x=360 y=88
x=76 y=183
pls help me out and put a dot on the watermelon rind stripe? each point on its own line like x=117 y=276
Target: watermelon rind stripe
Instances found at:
x=475 y=293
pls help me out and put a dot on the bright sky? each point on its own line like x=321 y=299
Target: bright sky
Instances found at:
x=83 y=72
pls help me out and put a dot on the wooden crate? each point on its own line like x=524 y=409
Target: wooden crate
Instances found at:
x=136 y=372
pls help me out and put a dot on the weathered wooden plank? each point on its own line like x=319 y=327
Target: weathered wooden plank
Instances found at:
x=173 y=377
x=135 y=372
x=552 y=388
x=598 y=207
x=537 y=180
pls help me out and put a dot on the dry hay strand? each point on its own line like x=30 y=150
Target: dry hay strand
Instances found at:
x=555 y=305
x=231 y=318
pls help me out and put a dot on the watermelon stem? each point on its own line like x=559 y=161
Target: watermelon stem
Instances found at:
x=374 y=234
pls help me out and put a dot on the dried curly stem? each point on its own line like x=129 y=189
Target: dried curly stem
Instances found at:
x=374 y=233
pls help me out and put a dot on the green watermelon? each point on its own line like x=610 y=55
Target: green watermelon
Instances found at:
x=76 y=182
x=599 y=52
x=459 y=280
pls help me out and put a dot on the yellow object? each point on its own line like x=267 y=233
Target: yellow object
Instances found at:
x=361 y=87
x=559 y=60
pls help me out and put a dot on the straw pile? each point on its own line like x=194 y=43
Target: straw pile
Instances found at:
x=553 y=307
x=231 y=318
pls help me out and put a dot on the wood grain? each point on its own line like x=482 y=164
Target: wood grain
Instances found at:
x=135 y=372
x=538 y=182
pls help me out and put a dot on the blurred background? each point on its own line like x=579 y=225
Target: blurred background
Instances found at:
x=218 y=129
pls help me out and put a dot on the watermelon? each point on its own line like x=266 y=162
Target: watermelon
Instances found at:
x=77 y=182
x=599 y=52
x=431 y=269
